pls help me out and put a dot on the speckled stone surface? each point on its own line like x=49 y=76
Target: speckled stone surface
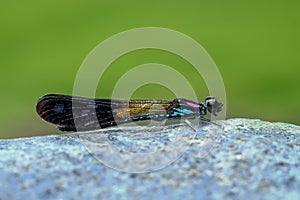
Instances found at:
x=244 y=159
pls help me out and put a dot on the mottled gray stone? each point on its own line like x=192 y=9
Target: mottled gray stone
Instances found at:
x=244 y=159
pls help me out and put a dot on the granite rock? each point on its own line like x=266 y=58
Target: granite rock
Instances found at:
x=241 y=159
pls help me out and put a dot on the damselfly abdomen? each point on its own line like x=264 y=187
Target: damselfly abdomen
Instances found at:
x=82 y=114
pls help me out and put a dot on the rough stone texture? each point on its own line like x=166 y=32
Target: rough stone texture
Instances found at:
x=245 y=159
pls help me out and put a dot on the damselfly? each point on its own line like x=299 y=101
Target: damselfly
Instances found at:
x=82 y=114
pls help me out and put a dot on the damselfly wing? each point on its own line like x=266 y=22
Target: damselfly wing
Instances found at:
x=82 y=114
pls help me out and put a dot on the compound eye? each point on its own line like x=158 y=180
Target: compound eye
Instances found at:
x=213 y=106
x=209 y=101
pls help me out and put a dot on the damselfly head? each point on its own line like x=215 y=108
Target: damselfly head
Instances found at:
x=212 y=105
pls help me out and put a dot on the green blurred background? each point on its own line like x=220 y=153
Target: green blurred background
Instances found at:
x=254 y=43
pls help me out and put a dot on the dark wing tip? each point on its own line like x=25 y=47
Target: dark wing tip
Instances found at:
x=41 y=104
x=51 y=106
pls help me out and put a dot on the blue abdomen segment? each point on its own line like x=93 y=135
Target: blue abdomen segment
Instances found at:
x=177 y=113
x=149 y=117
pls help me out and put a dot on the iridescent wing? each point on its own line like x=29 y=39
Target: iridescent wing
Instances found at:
x=91 y=114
